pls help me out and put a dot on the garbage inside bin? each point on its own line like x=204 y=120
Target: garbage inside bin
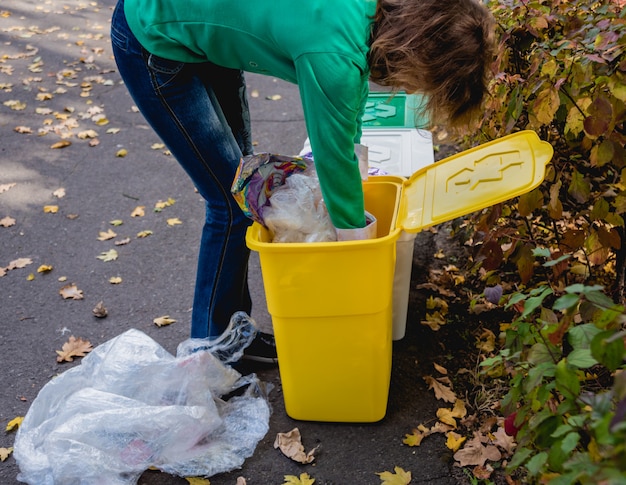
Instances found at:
x=130 y=405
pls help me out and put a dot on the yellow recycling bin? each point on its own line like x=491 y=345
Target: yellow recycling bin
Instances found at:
x=331 y=303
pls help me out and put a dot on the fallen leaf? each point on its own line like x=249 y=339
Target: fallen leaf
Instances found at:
x=14 y=423
x=19 y=263
x=61 y=144
x=30 y=277
x=4 y=453
x=99 y=311
x=5 y=187
x=83 y=135
x=174 y=221
x=60 y=193
x=145 y=233
x=442 y=392
x=51 y=209
x=71 y=292
x=483 y=472
x=7 y=221
x=454 y=440
x=440 y=369
x=115 y=280
x=139 y=211
x=106 y=235
x=157 y=146
x=116 y=222
x=198 y=481
x=110 y=255
x=62 y=279
x=23 y=129
x=399 y=477
x=160 y=205
x=44 y=268
x=14 y=104
x=303 y=479
x=274 y=97
x=486 y=342
x=122 y=242
x=434 y=320
x=449 y=416
x=164 y=320
x=121 y=153
x=503 y=440
x=475 y=453
x=415 y=438
x=241 y=481
x=291 y=446
x=74 y=347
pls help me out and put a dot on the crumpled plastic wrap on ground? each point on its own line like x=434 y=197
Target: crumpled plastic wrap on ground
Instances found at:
x=130 y=405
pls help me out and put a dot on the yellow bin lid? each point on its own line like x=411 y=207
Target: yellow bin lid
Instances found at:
x=473 y=179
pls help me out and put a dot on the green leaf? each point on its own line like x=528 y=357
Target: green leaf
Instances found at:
x=580 y=336
x=581 y=358
x=570 y=442
x=567 y=382
x=579 y=188
x=607 y=350
x=520 y=457
x=539 y=353
x=566 y=302
x=536 y=463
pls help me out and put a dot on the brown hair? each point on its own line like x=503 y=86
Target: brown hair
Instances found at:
x=441 y=48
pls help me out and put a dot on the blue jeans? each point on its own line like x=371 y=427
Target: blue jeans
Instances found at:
x=200 y=112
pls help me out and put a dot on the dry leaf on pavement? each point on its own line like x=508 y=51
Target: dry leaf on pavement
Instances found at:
x=164 y=320
x=74 y=347
x=99 y=310
x=441 y=391
x=4 y=453
x=110 y=255
x=14 y=423
x=7 y=221
x=303 y=479
x=291 y=445
x=399 y=477
x=71 y=292
x=106 y=235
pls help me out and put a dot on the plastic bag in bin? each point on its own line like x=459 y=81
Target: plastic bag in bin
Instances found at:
x=130 y=405
x=258 y=176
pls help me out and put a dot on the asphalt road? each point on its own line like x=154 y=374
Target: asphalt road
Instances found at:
x=58 y=83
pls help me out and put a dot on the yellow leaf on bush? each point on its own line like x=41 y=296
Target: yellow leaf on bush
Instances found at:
x=14 y=423
x=74 y=347
x=399 y=477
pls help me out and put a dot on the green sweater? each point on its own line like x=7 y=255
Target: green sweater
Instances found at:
x=321 y=45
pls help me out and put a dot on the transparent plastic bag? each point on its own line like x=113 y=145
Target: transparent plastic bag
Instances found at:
x=130 y=405
x=297 y=212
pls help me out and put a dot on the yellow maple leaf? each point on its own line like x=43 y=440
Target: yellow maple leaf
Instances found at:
x=174 y=221
x=303 y=479
x=121 y=153
x=138 y=211
x=44 y=268
x=164 y=320
x=448 y=416
x=115 y=280
x=74 y=347
x=110 y=255
x=145 y=233
x=51 y=209
x=414 y=439
x=4 y=453
x=399 y=477
x=14 y=423
x=30 y=277
x=198 y=481
x=454 y=440
x=106 y=235
x=116 y=222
